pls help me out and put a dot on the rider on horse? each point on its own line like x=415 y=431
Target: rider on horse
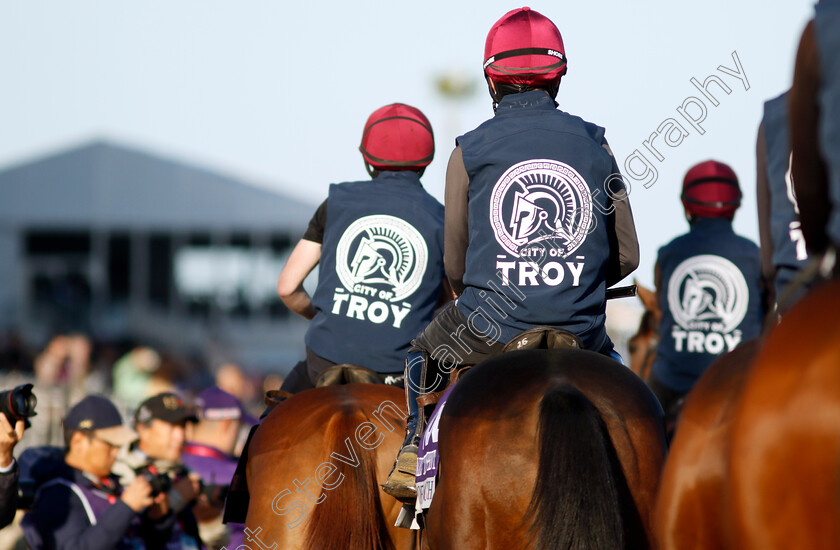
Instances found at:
x=708 y=282
x=538 y=224
x=783 y=251
x=380 y=247
x=815 y=131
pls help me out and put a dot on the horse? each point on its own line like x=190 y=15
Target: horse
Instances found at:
x=691 y=505
x=642 y=345
x=755 y=463
x=314 y=468
x=547 y=449
x=784 y=462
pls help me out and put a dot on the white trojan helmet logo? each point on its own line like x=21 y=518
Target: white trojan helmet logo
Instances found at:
x=385 y=251
x=541 y=200
x=708 y=288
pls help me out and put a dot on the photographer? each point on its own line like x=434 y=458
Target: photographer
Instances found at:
x=9 y=437
x=80 y=505
x=209 y=452
x=160 y=422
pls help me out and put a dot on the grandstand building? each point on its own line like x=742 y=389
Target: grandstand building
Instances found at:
x=123 y=244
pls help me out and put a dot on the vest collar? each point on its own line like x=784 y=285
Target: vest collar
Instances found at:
x=711 y=224
x=533 y=99
x=108 y=485
x=398 y=176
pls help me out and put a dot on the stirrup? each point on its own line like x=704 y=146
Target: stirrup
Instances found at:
x=402 y=483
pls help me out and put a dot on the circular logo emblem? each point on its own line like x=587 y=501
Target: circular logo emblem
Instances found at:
x=541 y=200
x=382 y=252
x=708 y=289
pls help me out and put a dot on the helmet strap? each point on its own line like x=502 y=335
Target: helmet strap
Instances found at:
x=372 y=172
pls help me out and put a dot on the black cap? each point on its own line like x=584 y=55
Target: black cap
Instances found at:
x=96 y=413
x=168 y=407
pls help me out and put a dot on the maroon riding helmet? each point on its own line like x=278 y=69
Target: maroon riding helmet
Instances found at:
x=524 y=47
x=711 y=190
x=398 y=137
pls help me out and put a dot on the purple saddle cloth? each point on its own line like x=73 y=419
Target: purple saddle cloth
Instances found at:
x=428 y=457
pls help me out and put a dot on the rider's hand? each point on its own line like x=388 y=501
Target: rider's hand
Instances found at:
x=138 y=495
x=9 y=437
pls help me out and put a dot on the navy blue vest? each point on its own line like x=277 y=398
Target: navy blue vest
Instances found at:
x=710 y=300
x=95 y=502
x=827 y=24
x=789 y=254
x=381 y=271
x=538 y=235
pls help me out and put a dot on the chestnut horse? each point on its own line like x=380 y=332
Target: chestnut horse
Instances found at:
x=547 y=449
x=784 y=464
x=691 y=506
x=755 y=463
x=315 y=466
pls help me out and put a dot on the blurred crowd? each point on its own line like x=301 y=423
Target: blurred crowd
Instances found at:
x=164 y=430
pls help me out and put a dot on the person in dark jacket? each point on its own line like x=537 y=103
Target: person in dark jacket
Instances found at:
x=81 y=505
x=9 y=437
x=209 y=452
x=783 y=249
x=814 y=117
x=379 y=244
x=538 y=223
x=708 y=283
x=161 y=422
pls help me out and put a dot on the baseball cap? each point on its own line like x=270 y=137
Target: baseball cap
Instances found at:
x=166 y=406
x=96 y=414
x=216 y=404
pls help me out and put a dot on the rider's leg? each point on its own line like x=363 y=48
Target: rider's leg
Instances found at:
x=303 y=375
x=610 y=351
x=421 y=377
x=297 y=380
x=301 y=378
x=451 y=331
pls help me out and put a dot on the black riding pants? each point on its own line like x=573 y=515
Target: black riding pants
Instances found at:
x=453 y=341
x=303 y=375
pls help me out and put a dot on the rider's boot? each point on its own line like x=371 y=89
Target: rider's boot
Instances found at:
x=401 y=482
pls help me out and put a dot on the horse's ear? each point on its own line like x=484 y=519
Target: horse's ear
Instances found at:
x=648 y=298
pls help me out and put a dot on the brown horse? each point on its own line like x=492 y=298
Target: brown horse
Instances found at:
x=755 y=463
x=642 y=345
x=315 y=466
x=547 y=449
x=690 y=509
x=784 y=464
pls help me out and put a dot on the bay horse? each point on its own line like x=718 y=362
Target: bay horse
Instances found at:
x=784 y=463
x=547 y=449
x=315 y=466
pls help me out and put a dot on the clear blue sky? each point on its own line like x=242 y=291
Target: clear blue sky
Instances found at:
x=277 y=92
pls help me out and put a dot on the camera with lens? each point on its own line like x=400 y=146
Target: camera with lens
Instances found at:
x=18 y=404
x=160 y=483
